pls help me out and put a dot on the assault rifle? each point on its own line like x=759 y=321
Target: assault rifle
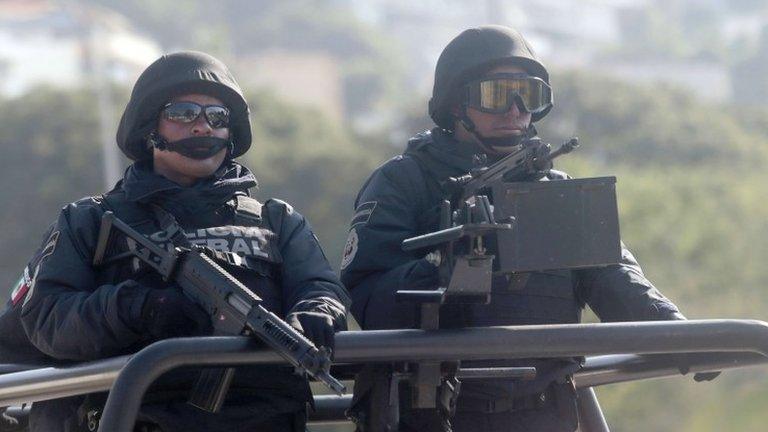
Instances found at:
x=531 y=160
x=237 y=310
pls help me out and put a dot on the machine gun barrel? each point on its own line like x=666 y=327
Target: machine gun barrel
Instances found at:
x=566 y=148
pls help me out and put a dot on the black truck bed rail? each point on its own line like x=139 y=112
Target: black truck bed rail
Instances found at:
x=616 y=352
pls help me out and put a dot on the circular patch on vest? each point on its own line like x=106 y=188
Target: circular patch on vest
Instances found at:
x=350 y=249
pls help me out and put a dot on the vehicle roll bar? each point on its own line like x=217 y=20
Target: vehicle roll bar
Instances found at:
x=511 y=342
x=616 y=352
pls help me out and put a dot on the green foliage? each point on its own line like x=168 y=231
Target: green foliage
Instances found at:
x=696 y=231
x=51 y=156
x=693 y=207
x=301 y=158
x=649 y=126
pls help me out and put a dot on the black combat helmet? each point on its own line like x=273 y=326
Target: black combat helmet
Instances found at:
x=173 y=75
x=472 y=52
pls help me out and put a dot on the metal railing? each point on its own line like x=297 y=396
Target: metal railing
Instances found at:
x=617 y=352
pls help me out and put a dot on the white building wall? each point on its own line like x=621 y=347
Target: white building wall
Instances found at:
x=54 y=45
x=31 y=59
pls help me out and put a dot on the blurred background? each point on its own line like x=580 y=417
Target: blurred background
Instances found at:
x=670 y=96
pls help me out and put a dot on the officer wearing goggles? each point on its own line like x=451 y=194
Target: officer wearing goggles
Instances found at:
x=185 y=123
x=489 y=90
x=497 y=92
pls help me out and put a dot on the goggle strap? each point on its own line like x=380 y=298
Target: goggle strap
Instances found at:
x=470 y=126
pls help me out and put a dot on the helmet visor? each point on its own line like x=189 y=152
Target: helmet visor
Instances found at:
x=495 y=94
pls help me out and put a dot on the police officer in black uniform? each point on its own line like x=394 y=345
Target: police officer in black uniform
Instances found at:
x=489 y=90
x=185 y=123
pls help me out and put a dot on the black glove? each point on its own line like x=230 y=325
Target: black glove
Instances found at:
x=169 y=313
x=316 y=326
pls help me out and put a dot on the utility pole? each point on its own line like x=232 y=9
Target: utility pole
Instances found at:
x=493 y=10
x=105 y=105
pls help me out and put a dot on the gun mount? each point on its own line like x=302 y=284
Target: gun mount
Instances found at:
x=501 y=218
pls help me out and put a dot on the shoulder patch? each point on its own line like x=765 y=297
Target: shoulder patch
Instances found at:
x=50 y=245
x=363 y=213
x=27 y=288
x=350 y=249
x=21 y=288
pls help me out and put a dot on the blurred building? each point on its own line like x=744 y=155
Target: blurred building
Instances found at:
x=708 y=80
x=304 y=78
x=565 y=33
x=66 y=44
x=580 y=34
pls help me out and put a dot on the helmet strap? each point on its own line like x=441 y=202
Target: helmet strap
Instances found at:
x=470 y=126
x=487 y=144
x=194 y=147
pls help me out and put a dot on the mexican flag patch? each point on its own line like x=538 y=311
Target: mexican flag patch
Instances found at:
x=21 y=288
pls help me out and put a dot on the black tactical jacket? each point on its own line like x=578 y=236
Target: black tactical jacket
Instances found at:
x=401 y=199
x=73 y=311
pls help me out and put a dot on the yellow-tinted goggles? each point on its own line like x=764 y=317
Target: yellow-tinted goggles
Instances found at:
x=495 y=94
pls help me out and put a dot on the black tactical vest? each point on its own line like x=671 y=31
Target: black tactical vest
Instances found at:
x=238 y=227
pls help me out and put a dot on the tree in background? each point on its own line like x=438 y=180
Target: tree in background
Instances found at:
x=693 y=208
x=51 y=156
x=303 y=158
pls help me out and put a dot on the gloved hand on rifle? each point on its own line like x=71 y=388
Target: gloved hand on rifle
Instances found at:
x=316 y=326
x=169 y=313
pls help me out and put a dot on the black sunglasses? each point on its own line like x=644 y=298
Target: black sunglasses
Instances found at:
x=186 y=112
